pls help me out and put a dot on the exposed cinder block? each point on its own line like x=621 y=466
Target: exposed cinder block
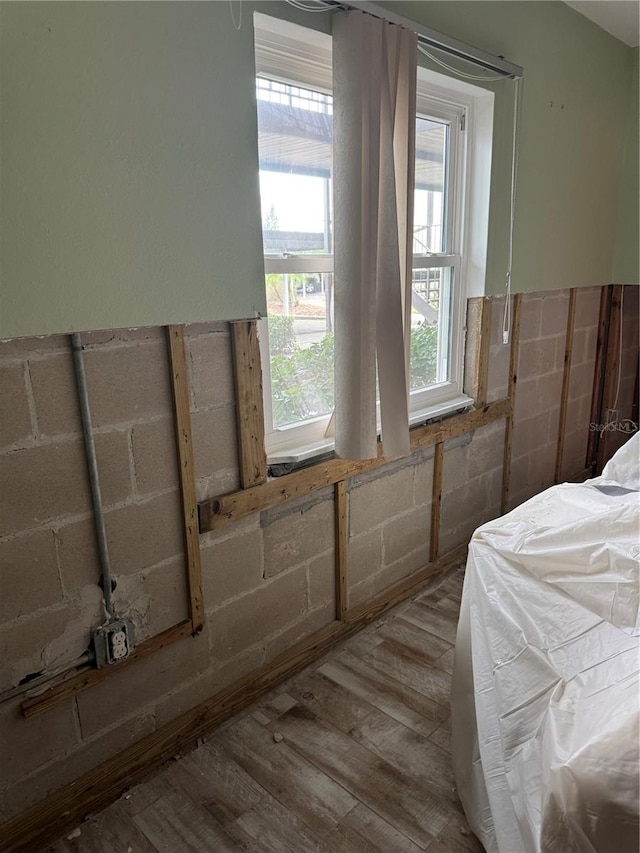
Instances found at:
x=27 y=744
x=155 y=456
x=364 y=556
x=25 y=645
x=29 y=578
x=215 y=445
x=376 y=500
x=134 y=688
x=84 y=757
x=584 y=346
x=526 y=400
x=78 y=554
x=587 y=307
x=311 y=622
x=321 y=574
x=542 y=467
x=538 y=357
x=18 y=347
x=519 y=474
x=55 y=395
x=529 y=434
x=466 y=501
x=486 y=452
x=297 y=538
x=423 y=482
x=211 y=370
x=376 y=583
x=114 y=470
x=530 y=318
x=578 y=414
x=44 y=482
x=581 y=380
x=231 y=566
x=406 y=533
x=143 y=534
x=549 y=390
x=155 y=599
x=166 y=588
x=213 y=680
x=128 y=383
x=114 y=338
x=15 y=423
x=455 y=468
x=555 y=311
x=251 y=618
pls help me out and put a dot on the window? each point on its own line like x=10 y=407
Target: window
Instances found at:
x=295 y=145
x=437 y=292
x=449 y=236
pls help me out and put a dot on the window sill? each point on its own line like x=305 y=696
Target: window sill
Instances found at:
x=297 y=454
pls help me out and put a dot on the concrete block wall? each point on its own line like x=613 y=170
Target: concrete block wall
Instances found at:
x=543 y=326
x=268 y=579
x=471 y=483
x=49 y=597
x=583 y=358
x=389 y=525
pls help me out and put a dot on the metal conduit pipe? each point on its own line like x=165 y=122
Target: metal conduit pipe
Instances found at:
x=92 y=465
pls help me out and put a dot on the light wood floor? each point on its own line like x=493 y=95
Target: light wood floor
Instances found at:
x=350 y=756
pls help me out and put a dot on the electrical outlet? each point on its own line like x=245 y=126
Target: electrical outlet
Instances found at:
x=112 y=642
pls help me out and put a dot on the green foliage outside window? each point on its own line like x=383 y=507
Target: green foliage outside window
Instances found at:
x=302 y=384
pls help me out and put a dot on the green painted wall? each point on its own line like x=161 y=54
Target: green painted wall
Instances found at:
x=574 y=119
x=129 y=166
x=625 y=266
x=129 y=170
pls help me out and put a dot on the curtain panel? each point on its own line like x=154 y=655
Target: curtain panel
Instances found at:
x=374 y=87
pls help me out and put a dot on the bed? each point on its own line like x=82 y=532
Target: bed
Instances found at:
x=545 y=711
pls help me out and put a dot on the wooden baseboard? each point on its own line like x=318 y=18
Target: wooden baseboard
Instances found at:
x=63 y=810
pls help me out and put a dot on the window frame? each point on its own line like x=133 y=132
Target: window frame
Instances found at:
x=300 y=56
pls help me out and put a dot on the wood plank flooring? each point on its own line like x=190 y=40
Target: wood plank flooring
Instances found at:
x=352 y=755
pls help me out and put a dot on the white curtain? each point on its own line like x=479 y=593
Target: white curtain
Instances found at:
x=374 y=89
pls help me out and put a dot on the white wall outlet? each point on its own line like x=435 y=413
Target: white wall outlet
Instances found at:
x=112 y=642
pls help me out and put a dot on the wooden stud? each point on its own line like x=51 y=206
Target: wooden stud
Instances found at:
x=223 y=510
x=484 y=345
x=63 y=810
x=598 y=378
x=341 y=535
x=566 y=380
x=35 y=705
x=436 y=501
x=513 y=380
x=611 y=369
x=184 y=444
x=250 y=415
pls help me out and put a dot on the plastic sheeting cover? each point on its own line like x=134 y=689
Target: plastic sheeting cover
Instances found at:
x=545 y=709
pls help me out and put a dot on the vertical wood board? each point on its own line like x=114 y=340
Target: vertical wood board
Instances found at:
x=250 y=411
x=184 y=443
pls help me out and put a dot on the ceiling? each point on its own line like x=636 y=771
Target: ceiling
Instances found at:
x=618 y=17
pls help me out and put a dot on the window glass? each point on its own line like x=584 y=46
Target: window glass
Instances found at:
x=430 y=187
x=432 y=280
x=295 y=137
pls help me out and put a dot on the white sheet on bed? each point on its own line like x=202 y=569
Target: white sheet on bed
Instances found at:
x=545 y=709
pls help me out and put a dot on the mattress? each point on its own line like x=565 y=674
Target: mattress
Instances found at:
x=545 y=710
